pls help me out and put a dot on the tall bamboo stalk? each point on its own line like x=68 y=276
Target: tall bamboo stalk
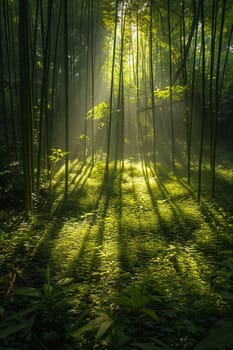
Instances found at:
x=106 y=172
x=170 y=86
x=203 y=95
x=26 y=102
x=217 y=101
x=66 y=81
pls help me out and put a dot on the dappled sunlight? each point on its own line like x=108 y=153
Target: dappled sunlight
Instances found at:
x=135 y=230
x=226 y=173
x=175 y=190
x=179 y=271
x=130 y=230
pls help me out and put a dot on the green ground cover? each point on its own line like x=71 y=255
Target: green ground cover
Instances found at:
x=135 y=263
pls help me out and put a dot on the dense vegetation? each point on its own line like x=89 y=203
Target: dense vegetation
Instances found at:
x=116 y=174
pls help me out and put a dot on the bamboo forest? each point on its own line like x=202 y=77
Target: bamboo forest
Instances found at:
x=116 y=174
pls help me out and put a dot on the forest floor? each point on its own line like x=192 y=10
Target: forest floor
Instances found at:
x=151 y=266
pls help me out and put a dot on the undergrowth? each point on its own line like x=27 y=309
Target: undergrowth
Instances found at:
x=134 y=263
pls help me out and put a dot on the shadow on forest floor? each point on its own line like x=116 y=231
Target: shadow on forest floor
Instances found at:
x=140 y=227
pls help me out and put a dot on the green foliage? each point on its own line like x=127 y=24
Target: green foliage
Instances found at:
x=220 y=335
x=56 y=155
x=101 y=125
x=83 y=137
x=101 y=326
x=43 y=311
x=169 y=258
x=119 y=329
x=39 y=64
x=136 y=301
x=99 y=111
x=11 y=186
x=177 y=92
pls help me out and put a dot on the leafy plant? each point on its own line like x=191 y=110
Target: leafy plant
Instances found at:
x=56 y=155
x=41 y=315
x=220 y=335
x=121 y=327
x=136 y=301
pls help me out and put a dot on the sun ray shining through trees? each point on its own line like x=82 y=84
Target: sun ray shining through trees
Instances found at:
x=140 y=67
x=116 y=149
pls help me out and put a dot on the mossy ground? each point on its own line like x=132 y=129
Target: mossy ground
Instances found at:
x=137 y=228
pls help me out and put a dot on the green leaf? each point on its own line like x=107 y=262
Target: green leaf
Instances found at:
x=83 y=137
x=99 y=111
x=219 y=336
x=104 y=328
x=101 y=324
x=121 y=338
x=48 y=290
x=151 y=313
x=27 y=292
x=101 y=125
x=65 y=281
x=135 y=300
x=122 y=300
x=90 y=326
x=19 y=315
x=12 y=329
x=59 y=290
